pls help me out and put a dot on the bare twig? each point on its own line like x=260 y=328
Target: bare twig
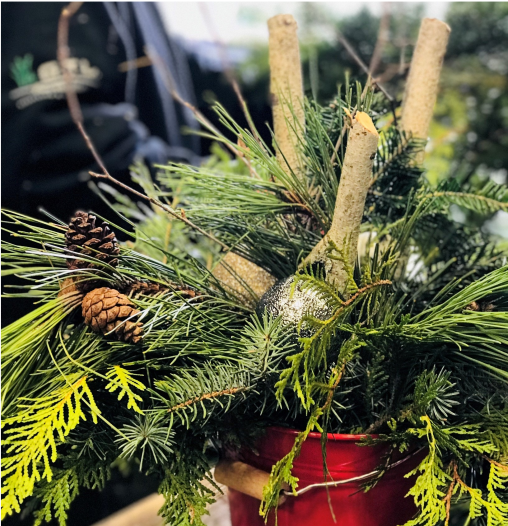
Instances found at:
x=382 y=39
x=228 y=71
x=141 y=62
x=361 y=63
x=350 y=202
x=168 y=209
x=286 y=91
x=447 y=499
x=63 y=54
x=170 y=86
x=422 y=83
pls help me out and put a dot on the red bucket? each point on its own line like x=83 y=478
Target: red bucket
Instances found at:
x=384 y=505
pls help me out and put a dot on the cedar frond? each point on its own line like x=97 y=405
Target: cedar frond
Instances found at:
x=32 y=436
x=122 y=379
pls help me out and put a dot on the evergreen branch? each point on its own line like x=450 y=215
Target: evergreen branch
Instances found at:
x=148 y=434
x=32 y=436
x=428 y=491
x=315 y=348
x=168 y=209
x=123 y=380
x=490 y=199
x=206 y=396
x=24 y=344
x=281 y=471
x=187 y=487
x=202 y=388
x=56 y=496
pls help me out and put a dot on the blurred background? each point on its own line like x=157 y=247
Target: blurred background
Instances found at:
x=129 y=114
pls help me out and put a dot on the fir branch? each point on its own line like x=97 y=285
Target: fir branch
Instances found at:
x=488 y=200
x=206 y=396
x=205 y=390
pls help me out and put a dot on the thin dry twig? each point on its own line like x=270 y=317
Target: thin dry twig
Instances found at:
x=168 y=209
x=447 y=499
x=228 y=71
x=63 y=54
x=170 y=86
x=382 y=39
x=141 y=62
x=361 y=63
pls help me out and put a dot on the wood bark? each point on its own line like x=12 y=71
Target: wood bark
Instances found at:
x=286 y=88
x=423 y=81
x=355 y=180
x=243 y=478
x=238 y=275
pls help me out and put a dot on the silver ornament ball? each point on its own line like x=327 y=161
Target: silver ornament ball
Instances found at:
x=278 y=301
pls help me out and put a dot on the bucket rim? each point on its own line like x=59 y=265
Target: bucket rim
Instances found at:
x=330 y=436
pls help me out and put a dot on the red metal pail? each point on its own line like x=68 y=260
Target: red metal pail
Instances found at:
x=384 y=505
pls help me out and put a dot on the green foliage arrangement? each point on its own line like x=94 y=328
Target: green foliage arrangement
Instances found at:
x=415 y=350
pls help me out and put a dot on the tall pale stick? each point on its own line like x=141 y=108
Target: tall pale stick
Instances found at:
x=236 y=273
x=354 y=184
x=286 y=89
x=422 y=84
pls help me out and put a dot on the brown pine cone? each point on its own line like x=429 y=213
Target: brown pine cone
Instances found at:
x=137 y=288
x=142 y=287
x=106 y=309
x=85 y=237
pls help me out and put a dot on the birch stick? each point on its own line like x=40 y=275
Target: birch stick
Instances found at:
x=236 y=273
x=422 y=84
x=286 y=89
x=243 y=478
x=354 y=184
x=243 y=278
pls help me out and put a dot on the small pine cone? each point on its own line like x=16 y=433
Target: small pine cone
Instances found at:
x=85 y=237
x=141 y=287
x=106 y=309
x=137 y=288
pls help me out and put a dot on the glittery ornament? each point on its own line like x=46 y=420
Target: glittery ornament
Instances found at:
x=292 y=306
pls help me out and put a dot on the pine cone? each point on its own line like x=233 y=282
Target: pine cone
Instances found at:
x=85 y=237
x=137 y=288
x=141 y=287
x=106 y=309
